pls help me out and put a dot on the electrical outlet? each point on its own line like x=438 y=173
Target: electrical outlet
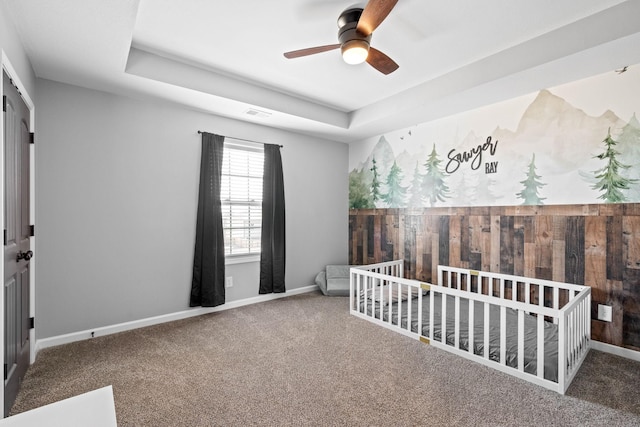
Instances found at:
x=229 y=282
x=605 y=312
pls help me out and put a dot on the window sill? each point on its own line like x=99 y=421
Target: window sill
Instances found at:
x=241 y=259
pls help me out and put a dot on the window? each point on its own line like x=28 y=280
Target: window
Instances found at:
x=241 y=196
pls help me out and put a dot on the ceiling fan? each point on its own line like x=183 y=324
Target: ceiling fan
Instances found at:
x=356 y=25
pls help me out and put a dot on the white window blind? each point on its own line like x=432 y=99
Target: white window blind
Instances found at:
x=241 y=196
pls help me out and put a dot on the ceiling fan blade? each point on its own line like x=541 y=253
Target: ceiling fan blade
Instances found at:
x=381 y=62
x=373 y=14
x=310 y=51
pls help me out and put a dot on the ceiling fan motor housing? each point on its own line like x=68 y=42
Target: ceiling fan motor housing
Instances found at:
x=347 y=24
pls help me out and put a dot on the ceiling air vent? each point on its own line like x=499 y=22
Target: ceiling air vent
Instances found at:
x=258 y=113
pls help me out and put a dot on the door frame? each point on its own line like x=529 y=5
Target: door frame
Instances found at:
x=5 y=64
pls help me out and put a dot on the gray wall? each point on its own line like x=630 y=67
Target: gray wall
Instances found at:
x=116 y=198
x=12 y=47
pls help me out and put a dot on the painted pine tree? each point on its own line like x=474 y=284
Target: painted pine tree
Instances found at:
x=434 y=188
x=375 y=183
x=359 y=192
x=610 y=182
x=531 y=186
x=396 y=194
x=463 y=193
x=415 y=189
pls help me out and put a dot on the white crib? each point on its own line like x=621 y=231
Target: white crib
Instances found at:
x=537 y=330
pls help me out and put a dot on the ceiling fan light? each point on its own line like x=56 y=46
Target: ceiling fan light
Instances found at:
x=355 y=51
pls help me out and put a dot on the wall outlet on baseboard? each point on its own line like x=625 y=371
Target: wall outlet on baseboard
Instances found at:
x=229 y=282
x=605 y=312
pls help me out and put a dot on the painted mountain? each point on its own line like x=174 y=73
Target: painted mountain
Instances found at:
x=557 y=154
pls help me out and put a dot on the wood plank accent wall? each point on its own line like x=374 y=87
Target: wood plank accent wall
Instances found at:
x=596 y=245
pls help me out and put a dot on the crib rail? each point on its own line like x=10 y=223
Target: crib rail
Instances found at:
x=378 y=289
x=381 y=285
x=564 y=304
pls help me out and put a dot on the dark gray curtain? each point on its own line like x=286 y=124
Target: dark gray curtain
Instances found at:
x=272 y=255
x=207 y=284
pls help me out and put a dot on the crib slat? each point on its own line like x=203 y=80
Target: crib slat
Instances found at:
x=399 y=288
x=409 y=302
x=503 y=335
x=456 y=330
x=432 y=297
x=485 y=328
x=381 y=298
x=521 y=340
x=540 y=347
x=472 y=340
x=363 y=288
x=562 y=352
x=443 y=320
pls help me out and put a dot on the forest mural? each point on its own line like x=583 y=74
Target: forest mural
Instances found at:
x=546 y=185
x=573 y=144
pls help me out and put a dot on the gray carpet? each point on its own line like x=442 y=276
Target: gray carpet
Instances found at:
x=303 y=360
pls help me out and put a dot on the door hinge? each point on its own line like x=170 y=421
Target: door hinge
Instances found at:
x=6 y=370
x=32 y=322
x=32 y=230
x=32 y=138
x=5 y=237
x=4 y=103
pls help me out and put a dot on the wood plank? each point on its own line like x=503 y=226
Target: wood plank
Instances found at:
x=475 y=233
x=465 y=238
x=558 y=248
x=544 y=239
x=495 y=244
x=454 y=241
x=558 y=268
x=486 y=243
x=574 y=250
x=615 y=291
x=377 y=239
x=427 y=274
x=386 y=235
x=443 y=240
x=529 y=229
x=506 y=245
x=475 y=260
x=410 y=245
x=595 y=257
x=419 y=251
x=631 y=241
x=352 y=240
x=518 y=245
x=631 y=209
x=370 y=239
x=400 y=243
x=529 y=260
x=435 y=255
x=630 y=298
x=615 y=258
x=559 y=227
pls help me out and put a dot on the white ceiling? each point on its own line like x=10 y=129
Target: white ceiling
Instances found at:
x=226 y=57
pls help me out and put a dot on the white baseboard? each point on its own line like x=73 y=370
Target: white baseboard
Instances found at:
x=614 y=349
x=127 y=326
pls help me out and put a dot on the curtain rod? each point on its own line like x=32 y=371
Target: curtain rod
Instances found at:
x=245 y=140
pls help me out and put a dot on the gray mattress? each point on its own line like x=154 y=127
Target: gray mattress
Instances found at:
x=530 y=331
